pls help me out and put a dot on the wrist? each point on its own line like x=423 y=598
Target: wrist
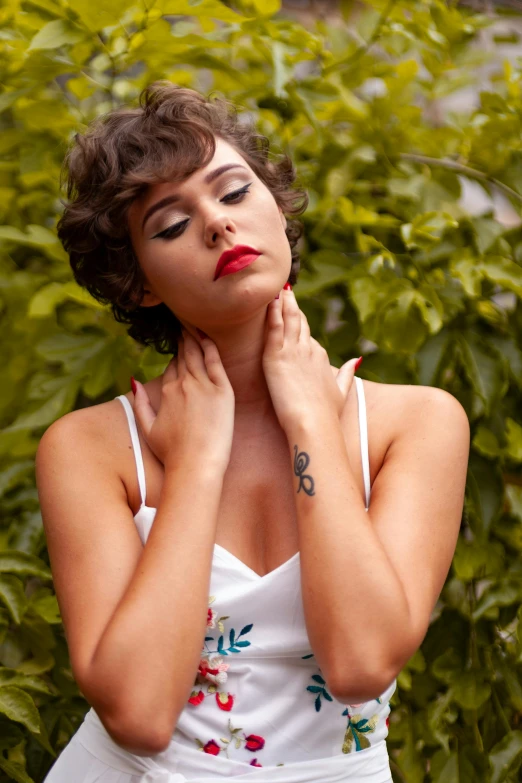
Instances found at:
x=311 y=422
x=196 y=466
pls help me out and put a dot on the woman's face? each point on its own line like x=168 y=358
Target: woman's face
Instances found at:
x=178 y=244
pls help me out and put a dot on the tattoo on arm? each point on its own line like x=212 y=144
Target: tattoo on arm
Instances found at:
x=301 y=461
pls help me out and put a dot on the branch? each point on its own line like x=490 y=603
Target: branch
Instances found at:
x=466 y=171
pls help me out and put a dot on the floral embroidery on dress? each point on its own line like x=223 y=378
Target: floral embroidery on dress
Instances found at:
x=320 y=690
x=358 y=726
x=356 y=730
x=252 y=742
x=212 y=670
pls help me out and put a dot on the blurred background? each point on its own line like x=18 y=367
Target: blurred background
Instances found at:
x=404 y=123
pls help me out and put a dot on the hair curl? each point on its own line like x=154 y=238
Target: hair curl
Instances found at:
x=170 y=135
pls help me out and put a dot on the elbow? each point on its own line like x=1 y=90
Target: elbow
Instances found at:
x=134 y=737
x=365 y=686
x=126 y=727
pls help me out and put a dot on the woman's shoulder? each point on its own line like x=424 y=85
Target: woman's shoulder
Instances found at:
x=391 y=407
x=90 y=425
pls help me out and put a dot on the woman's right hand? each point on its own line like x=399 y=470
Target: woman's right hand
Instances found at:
x=195 y=420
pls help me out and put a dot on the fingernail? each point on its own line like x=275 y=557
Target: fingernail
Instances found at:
x=133 y=386
x=287 y=287
x=277 y=297
x=358 y=363
x=201 y=333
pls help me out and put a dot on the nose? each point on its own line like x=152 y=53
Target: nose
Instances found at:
x=218 y=225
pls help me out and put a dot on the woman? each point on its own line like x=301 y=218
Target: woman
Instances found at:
x=256 y=629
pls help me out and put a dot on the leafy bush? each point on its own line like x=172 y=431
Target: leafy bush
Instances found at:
x=396 y=268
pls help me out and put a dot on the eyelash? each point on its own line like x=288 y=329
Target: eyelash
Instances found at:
x=170 y=232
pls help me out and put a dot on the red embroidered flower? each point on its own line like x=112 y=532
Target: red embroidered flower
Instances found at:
x=196 y=697
x=213 y=669
x=254 y=742
x=224 y=701
x=254 y=763
x=212 y=748
x=210 y=618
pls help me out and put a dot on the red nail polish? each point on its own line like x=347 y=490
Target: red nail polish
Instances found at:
x=287 y=287
x=358 y=363
x=277 y=297
x=133 y=386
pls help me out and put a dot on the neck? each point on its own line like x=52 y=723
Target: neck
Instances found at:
x=241 y=351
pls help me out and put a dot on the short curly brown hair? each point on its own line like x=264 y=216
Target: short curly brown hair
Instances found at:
x=170 y=135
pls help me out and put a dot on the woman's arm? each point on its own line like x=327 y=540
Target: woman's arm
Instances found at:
x=135 y=617
x=370 y=579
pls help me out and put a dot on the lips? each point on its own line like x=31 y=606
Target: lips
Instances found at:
x=235 y=259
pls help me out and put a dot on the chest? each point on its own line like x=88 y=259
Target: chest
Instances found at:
x=257 y=519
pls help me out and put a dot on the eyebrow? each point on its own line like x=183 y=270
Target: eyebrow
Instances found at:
x=210 y=177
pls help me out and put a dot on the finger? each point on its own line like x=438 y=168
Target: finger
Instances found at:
x=170 y=373
x=214 y=366
x=345 y=376
x=291 y=316
x=305 y=328
x=143 y=410
x=275 y=328
x=182 y=367
x=194 y=357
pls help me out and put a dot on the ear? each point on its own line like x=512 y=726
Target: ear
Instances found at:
x=150 y=299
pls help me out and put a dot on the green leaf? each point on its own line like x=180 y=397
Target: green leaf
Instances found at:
x=486 y=232
x=514 y=440
x=47 y=607
x=470 y=275
x=23 y=564
x=96 y=15
x=15 y=771
x=312 y=283
x=51 y=410
x=427 y=229
x=59 y=32
x=486 y=443
x=503 y=593
x=27 y=682
x=36 y=237
x=17 y=705
x=470 y=690
x=45 y=301
x=506 y=756
x=355 y=215
x=13 y=597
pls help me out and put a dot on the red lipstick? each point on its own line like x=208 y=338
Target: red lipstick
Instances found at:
x=235 y=259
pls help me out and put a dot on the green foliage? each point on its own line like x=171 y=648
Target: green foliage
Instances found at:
x=395 y=269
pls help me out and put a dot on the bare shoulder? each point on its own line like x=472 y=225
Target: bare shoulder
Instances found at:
x=96 y=433
x=399 y=408
x=92 y=425
x=394 y=409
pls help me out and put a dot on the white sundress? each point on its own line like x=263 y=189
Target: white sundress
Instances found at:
x=260 y=710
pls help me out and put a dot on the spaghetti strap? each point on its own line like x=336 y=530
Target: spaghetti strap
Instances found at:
x=138 y=456
x=363 y=434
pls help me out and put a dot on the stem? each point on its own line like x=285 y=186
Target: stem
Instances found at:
x=500 y=711
x=466 y=171
x=476 y=732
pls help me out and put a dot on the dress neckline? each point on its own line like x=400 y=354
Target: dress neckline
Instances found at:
x=226 y=554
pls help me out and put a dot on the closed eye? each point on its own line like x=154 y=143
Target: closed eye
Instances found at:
x=231 y=198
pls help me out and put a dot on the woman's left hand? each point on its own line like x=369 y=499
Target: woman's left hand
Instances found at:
x=297 y=368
